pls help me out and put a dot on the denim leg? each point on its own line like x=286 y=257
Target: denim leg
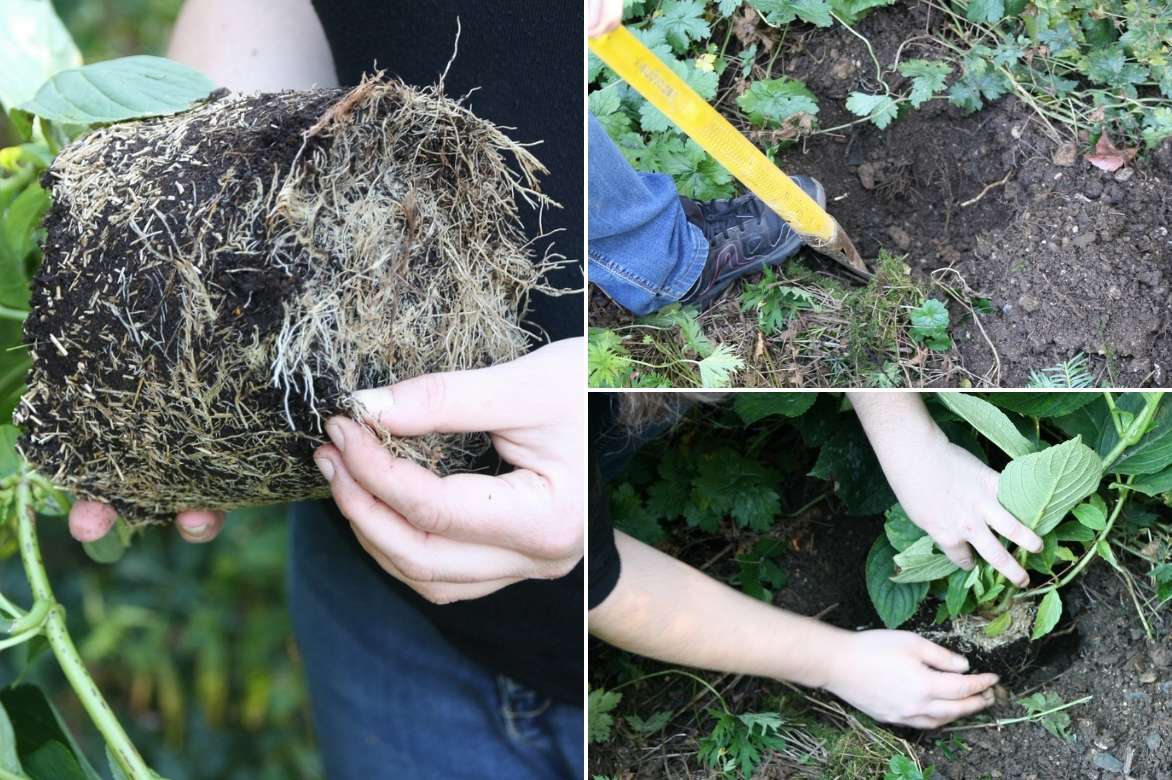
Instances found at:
x=643 y=252
x=391 y=697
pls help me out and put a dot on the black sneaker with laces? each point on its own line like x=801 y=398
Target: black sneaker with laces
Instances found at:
x=744 y=236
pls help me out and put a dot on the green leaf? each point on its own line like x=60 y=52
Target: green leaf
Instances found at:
x=1092 y=516
x=1158 y=123
x=46 y=748
x=700 y=176
x=848 y=460
x=109 y=549
x=985 y=11
x=921 y=563
x=22 y=219
x=990 y=421
x=1153 y=453
x=117 y=90
x=930 y=325
x=901 y=532
x=769 y=102
x=608 y=362
x=778 y=12
x=1044 y=405
x=1039 y=489
x=1154 y=484
x=652 y=725
x=598 y=707
x=680 y=22
x=880 y=109
x=1162 y=578
x=751 y=407
x=927 y=79
x=34 y=45
x=959 y=584
x=1049 y=611
x=998 y=625
x=10 y=460
x=1110 y=66
x=8 y=756
x=894 y=602
x=717 y=369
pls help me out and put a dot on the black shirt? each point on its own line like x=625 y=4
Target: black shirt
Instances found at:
x=523 y=58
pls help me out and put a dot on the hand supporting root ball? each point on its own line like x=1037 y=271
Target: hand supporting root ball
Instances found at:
x=467 y=535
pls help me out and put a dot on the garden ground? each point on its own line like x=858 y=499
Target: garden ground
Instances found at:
x=997 y=205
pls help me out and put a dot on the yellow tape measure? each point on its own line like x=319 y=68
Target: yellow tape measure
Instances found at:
x=654 y=80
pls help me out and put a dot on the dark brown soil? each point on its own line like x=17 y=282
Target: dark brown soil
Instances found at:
x=1072 y=258
x=1128 y=724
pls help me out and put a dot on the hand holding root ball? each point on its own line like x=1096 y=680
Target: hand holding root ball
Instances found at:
x=467 y=535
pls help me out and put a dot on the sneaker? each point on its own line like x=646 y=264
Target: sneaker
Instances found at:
x=744 y=236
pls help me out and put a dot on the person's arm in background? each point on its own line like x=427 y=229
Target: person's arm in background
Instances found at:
x=664 y=609
x=254 y=45
x=944 y=488
x=249 y=46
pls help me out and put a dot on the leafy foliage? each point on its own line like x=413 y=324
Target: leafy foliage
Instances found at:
x=600 y=722
x=1053 y=486
x=769 y=102
x=775 y=304
x=930 y=325
x=736 y=742
x=1039 y=705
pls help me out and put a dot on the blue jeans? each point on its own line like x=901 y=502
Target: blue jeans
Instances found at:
x=391 y=697
x=644 y=253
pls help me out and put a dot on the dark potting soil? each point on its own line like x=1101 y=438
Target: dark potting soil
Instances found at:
x=252 y=292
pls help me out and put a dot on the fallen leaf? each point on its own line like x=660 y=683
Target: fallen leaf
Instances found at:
x=1108 y=157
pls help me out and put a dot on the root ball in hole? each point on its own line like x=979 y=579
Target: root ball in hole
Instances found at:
x=216 y=284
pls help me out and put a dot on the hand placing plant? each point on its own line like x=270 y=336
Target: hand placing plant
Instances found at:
x=1063 y=449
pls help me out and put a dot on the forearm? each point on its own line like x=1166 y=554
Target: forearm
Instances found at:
x=664 y=609
x=254 y=45
x=899 y=427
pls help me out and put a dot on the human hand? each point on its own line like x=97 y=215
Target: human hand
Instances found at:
x=467 y=535
x=899 y=677
x=89 y=521
x=602 y=16
x=945 y=489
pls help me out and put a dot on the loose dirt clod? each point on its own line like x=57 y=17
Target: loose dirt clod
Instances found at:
x=216 y=284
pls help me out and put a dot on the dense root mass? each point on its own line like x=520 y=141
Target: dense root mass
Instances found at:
x=216 y=285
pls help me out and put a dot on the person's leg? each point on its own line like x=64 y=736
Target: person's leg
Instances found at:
x=644 y=253
x=391 y=697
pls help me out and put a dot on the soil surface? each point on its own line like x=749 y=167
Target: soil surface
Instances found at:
x=1072 y=258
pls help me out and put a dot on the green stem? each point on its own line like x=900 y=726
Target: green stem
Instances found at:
x=1110 y=398
x=57 y=634
x=19 y=639
x=1022 y=719
x=10 y=609
x=1135 y=431
x=6 y=775
x=681 y=673
x=13 y=314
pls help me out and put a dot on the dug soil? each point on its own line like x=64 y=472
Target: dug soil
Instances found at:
x=1101 y=651
x=1072 y=259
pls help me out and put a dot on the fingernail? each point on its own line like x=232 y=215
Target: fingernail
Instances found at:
x=327 y=468
x=334 y=431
